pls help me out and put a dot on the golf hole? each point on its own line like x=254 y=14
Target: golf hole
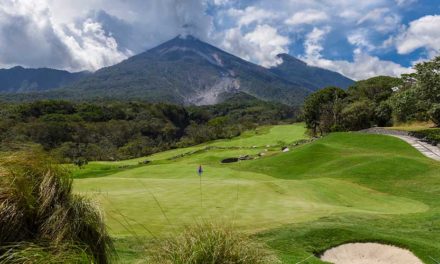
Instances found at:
x=369 y=253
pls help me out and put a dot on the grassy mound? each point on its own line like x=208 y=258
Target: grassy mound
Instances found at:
x=38 y=209
x=215 y=244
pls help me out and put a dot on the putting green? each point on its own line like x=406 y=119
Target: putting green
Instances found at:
x=310 y=182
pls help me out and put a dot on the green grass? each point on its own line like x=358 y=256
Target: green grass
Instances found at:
x=342 y=188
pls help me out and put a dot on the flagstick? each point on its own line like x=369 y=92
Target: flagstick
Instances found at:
x=238 y=187
x=201 y=194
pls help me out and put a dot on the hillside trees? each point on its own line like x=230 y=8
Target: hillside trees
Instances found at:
x=428 y=87
x=120 y=130
x=378 y=101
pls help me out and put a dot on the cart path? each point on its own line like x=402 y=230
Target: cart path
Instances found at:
x=426 y=149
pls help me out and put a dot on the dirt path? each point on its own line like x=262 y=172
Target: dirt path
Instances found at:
x=369 y=253
x=426 y=149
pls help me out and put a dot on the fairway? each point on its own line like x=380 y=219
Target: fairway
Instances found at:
x=344 y=174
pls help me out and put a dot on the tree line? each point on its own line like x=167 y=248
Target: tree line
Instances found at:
x=86 y=131
x=379 y=101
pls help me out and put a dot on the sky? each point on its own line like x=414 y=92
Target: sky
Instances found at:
x=358 y=38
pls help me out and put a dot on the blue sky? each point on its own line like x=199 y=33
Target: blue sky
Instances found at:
x=357 y=38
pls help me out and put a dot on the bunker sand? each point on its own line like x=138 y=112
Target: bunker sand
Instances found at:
x=369 y=253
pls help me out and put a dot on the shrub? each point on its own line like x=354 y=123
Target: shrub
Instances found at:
x=214 y=244
x=432 y=136
x=37 y=206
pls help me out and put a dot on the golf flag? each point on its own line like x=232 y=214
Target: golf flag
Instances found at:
x=200 y=170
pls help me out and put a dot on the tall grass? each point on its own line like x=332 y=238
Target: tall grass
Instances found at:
x=210 y=243
x=37 y=208
x=30 y=253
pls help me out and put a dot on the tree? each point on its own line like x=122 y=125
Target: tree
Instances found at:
x=434 y=114
x=376 y=89
x=357 y=115
x=428 y=80
x=322 y=109
x=383 y=114
x=404 y=105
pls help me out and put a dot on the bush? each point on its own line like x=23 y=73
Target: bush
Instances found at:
x=214 y=244
x=37 y=206
x=434 y=114
x=432 y=136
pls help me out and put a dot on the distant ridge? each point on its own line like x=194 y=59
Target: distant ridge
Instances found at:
x=313 y=78
x=21 y=80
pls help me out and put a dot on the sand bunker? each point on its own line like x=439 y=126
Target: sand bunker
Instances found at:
x=369 y=253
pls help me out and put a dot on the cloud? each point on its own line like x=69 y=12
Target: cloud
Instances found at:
x=384 y=19
x=90 y=47
x=362 y=67
x=405 y=2
x=89 y=34
x=260 y=45
x=250 y=15
x=312 y=45
x=75 y=35
x=222 y=2
x=27 y=35
x=309 y=16
x=421 y=33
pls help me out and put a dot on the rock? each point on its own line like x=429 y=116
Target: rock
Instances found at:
x=286 y=150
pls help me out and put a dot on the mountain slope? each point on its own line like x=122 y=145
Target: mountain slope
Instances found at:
x=313 y=78
x=20 y=80
x=187 y=71
x=183 y=70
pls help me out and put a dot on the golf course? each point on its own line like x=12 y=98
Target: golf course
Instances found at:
x=321 y=193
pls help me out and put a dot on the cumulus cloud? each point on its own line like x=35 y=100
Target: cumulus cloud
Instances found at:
x=250 y=15
x=28 y=37
x=34 y=34
x=89 y=34
x=362 y=67
x=405 y=2
x=383 y=18
x=421 y=33
x=309 y=16
x=260 y=45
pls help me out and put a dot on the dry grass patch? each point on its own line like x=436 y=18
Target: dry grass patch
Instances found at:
x=38 y=209
x=213 y=244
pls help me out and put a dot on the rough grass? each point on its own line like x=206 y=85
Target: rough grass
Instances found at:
x=413 y=126
x=30 y=253
x=212 y=243
x=37 y=207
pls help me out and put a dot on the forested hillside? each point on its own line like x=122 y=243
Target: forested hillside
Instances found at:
x=119 y=130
